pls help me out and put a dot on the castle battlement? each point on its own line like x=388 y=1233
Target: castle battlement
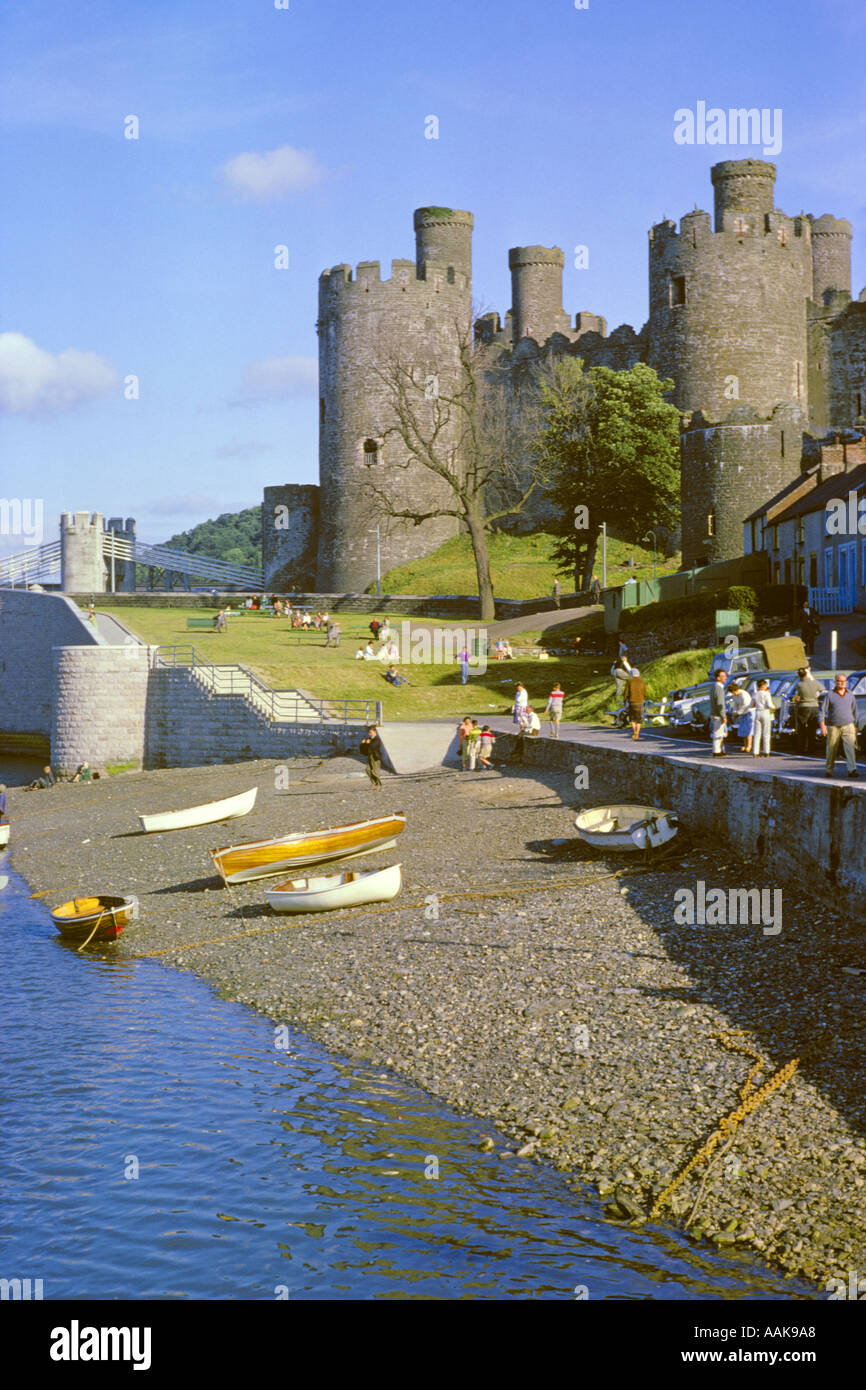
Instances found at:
x=696 y=228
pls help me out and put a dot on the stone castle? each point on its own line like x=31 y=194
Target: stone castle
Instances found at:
x=750 y=315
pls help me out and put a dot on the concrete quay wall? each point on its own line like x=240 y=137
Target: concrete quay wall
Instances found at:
x=31 y=624
x=806 y=833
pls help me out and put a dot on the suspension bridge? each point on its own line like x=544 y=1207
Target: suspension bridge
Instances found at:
x=175 y=568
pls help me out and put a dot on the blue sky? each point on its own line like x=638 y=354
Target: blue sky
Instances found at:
x=305 y=127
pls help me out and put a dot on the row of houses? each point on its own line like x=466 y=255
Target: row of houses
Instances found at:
x=813 y=532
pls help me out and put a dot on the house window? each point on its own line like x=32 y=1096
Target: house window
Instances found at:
x=774 y=534
x=787 y=571
x=371 y=451
x=828 y=568
x=450 y=275
x=801 y=530
x=711 y=523
x=813 y=569
x=801 y=570
x=863 y=566
x=677 y=290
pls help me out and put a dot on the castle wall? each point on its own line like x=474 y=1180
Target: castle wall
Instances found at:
x=727 y=469
x=366 y=325
x=847 y=358
x=290 y=529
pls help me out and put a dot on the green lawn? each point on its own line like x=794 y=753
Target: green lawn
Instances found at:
x=435 y=692
x=522 y=567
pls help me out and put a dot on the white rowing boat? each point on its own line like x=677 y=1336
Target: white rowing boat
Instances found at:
x=211 y=811
x=623 y=827
x=329 y=891
x=4 y=834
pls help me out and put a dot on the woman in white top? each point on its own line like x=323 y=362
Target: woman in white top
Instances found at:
x=744 y=712
x=521 y=700
x=764 y=708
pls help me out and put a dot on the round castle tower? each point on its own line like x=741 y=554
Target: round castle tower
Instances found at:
x=831 y=257
x=364 y=323
x=536 y=293
x=82 y=566
x=728 y=322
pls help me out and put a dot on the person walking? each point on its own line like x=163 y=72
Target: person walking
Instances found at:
x=371 y=746
x=764 y=708
x=463 y=729
x=807 y=697
x=718 y=714
x=635 y=696
x=557 y=594
x=521 y=700
x=595 y=589
x=621 y=671
x=553 y=709
x=839 y=725
x=485 y=751
x=744 y=710
x=463 y=658
x=334 y=632
x=472 y=744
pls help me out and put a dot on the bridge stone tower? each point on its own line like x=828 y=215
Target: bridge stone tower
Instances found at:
x=82 y=566
x=366 y=326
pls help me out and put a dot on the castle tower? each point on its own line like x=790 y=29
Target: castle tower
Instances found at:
x=831 y=257
x=443 y=237
x=82 y=566
x=728 y=322
x=743 y=188
x=536 y=292
x=368 y=326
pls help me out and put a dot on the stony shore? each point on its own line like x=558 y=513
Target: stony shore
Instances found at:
x=524 y=979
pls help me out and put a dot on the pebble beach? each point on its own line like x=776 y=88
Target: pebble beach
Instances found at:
x=523 y=978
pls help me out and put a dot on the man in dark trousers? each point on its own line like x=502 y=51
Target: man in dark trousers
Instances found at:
x=806 y=697
x=372 y=747
x=718 y=714
x=839 y=725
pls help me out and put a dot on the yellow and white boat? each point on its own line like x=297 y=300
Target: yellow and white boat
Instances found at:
x=265 y=858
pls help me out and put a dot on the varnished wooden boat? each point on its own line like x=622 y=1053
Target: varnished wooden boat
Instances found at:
x=265 y=858
x=330 y=891
x=4 y=834
x=624 y=827
x=211 y=811
x=99 y=918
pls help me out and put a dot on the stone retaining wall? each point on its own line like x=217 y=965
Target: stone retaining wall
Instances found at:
x=31 y=623
x=98 y=711
x=188 y=726
x=809 y=835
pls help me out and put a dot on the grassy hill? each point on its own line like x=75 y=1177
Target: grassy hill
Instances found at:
x=523 y=567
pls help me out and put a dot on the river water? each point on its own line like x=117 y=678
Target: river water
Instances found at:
x=158 y=1143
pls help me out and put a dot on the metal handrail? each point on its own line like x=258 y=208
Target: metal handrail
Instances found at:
x=283 y=706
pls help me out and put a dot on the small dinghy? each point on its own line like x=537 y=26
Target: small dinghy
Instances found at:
x=211 y=811
x=329 y=891
x=266 y=858
x=626 y=827
x=4 y=834
x=99 y=918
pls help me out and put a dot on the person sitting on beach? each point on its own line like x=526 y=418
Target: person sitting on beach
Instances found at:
x=83 y=773
x=47 y=779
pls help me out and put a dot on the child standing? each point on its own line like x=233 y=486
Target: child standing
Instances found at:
x=485 y=752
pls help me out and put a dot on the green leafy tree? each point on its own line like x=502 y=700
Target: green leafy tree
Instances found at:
x=609 y=451
x=234 y=536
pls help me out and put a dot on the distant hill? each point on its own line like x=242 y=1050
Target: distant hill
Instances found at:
x=235 y=537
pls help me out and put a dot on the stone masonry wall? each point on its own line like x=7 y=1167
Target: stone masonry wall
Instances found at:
x=100 y=697
x=30 y=625
x=188 y=726
x=290 y=530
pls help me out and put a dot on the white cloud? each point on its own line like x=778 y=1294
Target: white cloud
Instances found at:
x=185 y=504
x=273 y=174
x=279 y=379
x=36 y=382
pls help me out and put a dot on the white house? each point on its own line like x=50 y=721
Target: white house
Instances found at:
x=814 y=530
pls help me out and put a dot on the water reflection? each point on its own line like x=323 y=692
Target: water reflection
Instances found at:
x=158 y=1145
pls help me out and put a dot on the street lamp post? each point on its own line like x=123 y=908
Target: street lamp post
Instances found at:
x=646 y=538
x=604 y=554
